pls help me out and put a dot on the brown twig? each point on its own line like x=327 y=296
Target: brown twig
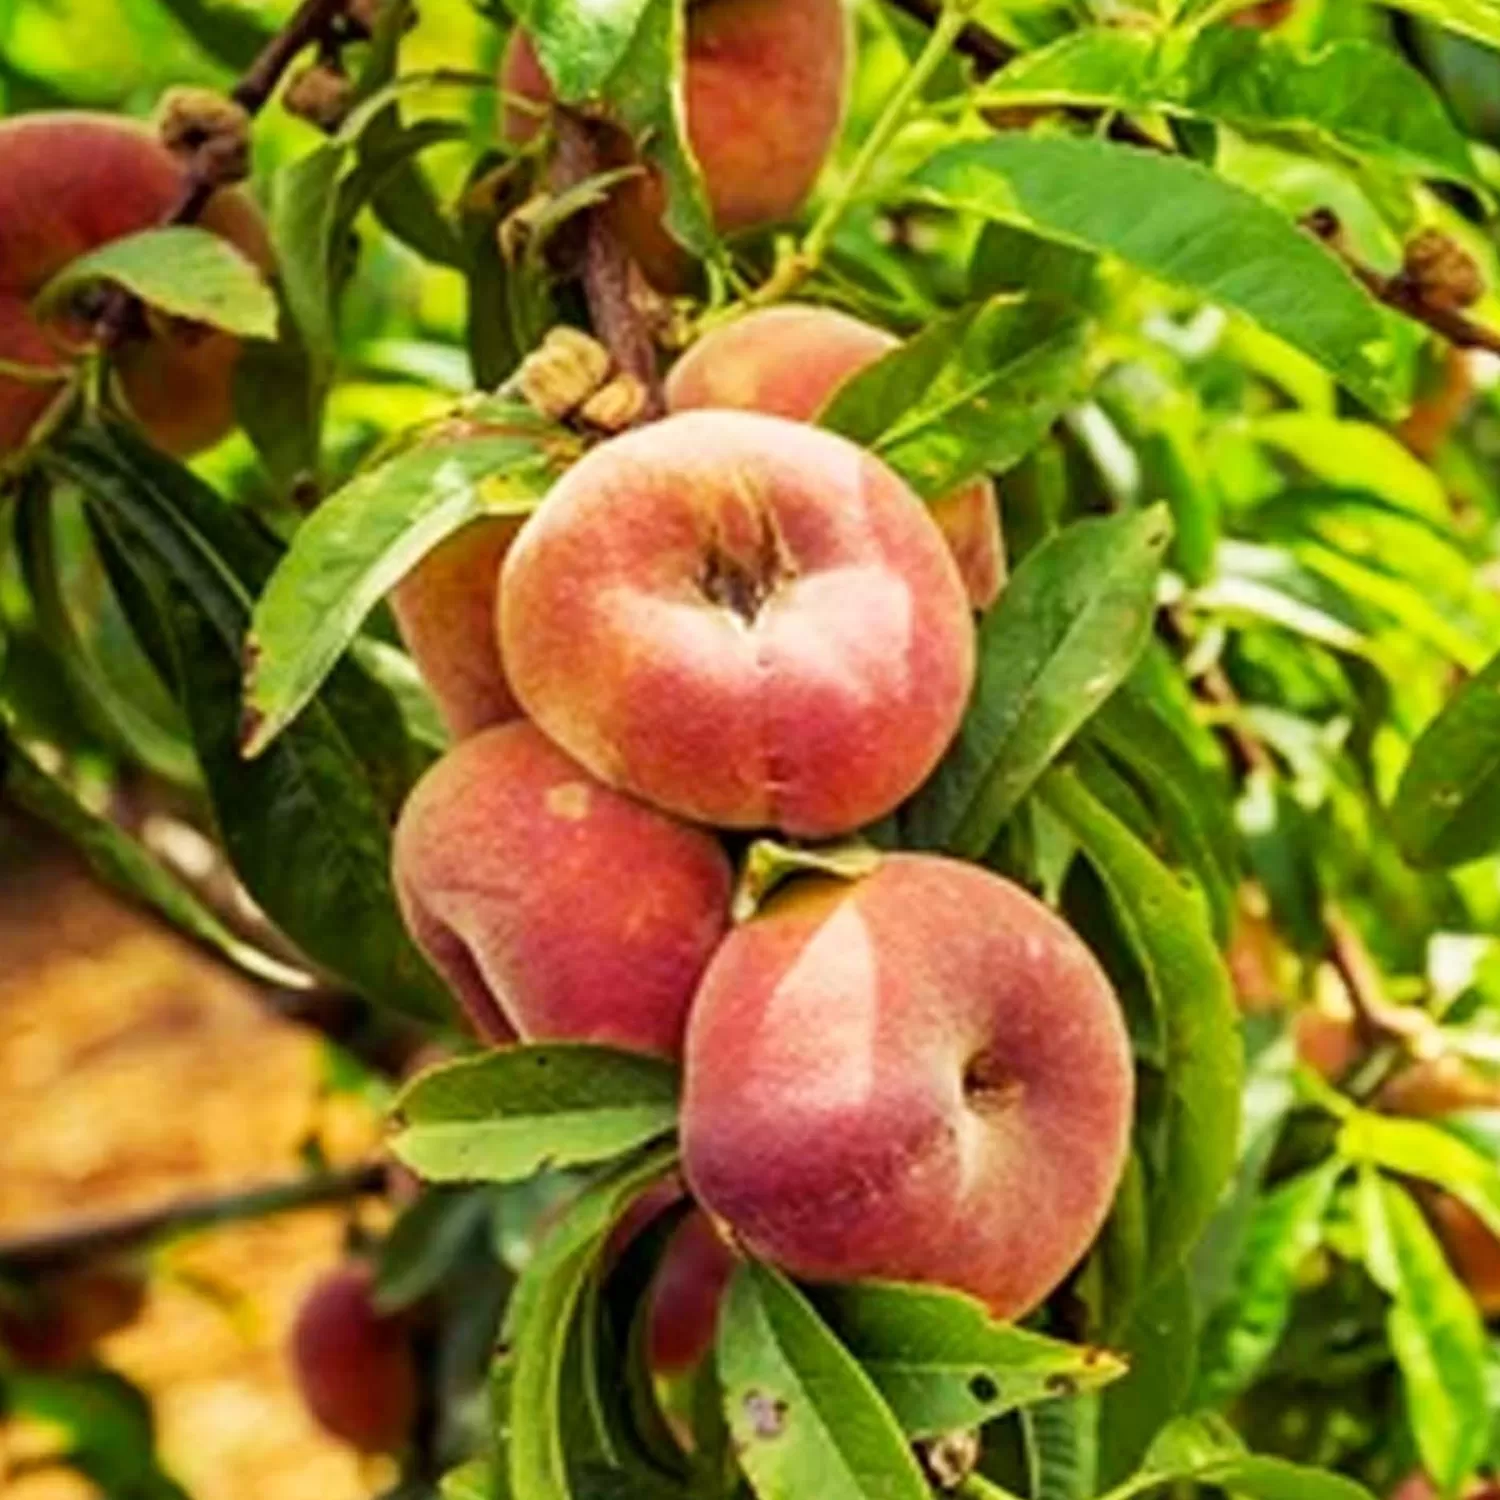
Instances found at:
x=1214 y=688
x=1376 y=1019
x=88 y=1238
x=1401 y=292
x=618 y=321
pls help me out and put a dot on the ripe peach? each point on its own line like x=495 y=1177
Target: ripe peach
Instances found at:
x=742 y=620
x=70 y=182
x=1472 y=1249
x=1326 y=1037
x=63 y=1318
x=788 y=361
x=685 y=1295
x=354 y=1365
x=921 y=1076
x=1417 y=1486
x=555 y=907
x=764 y=86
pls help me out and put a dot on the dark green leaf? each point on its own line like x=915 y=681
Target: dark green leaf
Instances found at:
x=805 y=1418
x=970 y=394
x=1067 y=629
x=1204 y=235
x=580 y=45
x=504 y=1116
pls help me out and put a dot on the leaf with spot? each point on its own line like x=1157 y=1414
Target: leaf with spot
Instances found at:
x=805 y=1418
x=507 y=1114
x=1066 y=631
x=942 y=1363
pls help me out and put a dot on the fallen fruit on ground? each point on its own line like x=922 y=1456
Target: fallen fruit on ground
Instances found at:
x=556 y=908
x=919 y=1076
x=743 y=620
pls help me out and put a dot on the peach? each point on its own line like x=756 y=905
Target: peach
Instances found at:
x=743 y=620
x=1472 y=1249
x=920 y=1076
x=764 y=96
x=354 y=1365
x=557 y=908
x=64 y=1317
x=789 y=361
x=685 y=1295
x=70 y=182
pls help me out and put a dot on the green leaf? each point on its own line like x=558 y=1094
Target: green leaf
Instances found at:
x=508 y=1114
x=308 y=827
x=122 y=863
x=540 y=1320
x=1203 y=234
x=1285 y=1229
x=475 y=1480
x=970 y=394
x=1427 y=1151
x=1190 y=990
x=1479 y=19
x=1447 y=805
x=1356 y=96
x=942 y=1363
x=805 y=1418
x=1435 y=1331
x=429 y=1242
x=363 y=540
x=1067 y=629
x=769 y=864
x=580 y=45
x=1063 y=1440
x=304 y=204
x=1250 y=1478
x=180 y=270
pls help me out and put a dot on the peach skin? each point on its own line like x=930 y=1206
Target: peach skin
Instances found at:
x=743 y=620
x=70 y=182
x=764 y=95
x=354 y=1365
x=920 y=1076
x=789 y=361
x=556 y=908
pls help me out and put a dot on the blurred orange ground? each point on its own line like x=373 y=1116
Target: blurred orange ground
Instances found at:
x=133 y=1070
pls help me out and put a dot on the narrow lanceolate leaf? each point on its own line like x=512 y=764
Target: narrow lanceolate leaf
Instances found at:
x=1435 y=1331
x=1355 y=96
x=942 y=1363
x=1250 y=1478
x=580 y=45
x=1287 y=1226
x=1428 y=1151
x=183 y=271
x=131 y=869
x=362 y=540
x=1068 y=628
x=1168 y=931
x=540 y=1319
x=970 y=394
x=1479 y=19
x=769 y=864
x=1204 y=235
x=1447 y=805
x=805 y=1418
x=505 y=1115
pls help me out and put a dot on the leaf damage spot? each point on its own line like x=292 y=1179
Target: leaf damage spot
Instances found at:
x=767 y=1415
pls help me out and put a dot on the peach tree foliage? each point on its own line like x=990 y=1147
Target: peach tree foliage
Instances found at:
x=1236 y=702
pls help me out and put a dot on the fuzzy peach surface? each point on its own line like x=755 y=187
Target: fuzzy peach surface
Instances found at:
x=557 y=908
x=789 y=361
x=69 y=183
x=742 y=620
x=921 y=1076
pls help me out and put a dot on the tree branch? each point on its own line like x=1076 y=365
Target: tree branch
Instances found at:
x=988 y=53
x=619 y=322
x=87 y=1238
x=1402 y=292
